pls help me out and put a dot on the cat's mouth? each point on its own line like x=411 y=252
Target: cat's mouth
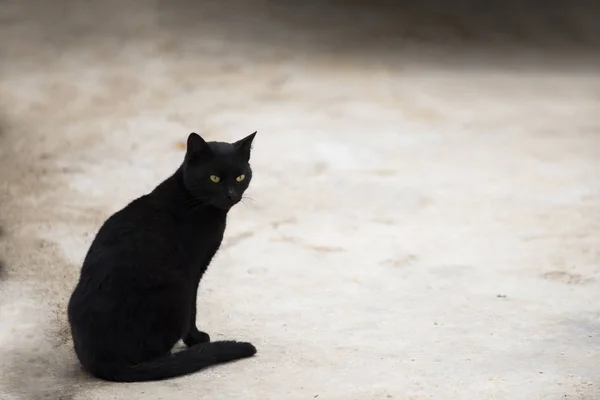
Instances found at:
x=224 y=204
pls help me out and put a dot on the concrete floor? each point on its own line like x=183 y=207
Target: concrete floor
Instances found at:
x=426 y=222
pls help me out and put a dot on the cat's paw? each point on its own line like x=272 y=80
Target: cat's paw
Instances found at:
x=196 y=337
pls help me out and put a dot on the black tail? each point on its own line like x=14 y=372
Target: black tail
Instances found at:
x=178 y=364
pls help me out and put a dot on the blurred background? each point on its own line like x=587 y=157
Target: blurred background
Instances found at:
x=425 y=210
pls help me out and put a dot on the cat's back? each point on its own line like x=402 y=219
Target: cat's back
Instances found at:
x=133 y=252
x=141 y=216
x=137 y=236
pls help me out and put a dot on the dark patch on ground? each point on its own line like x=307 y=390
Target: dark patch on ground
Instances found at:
x=478 y=33
x=325 y=249
x=232 y=241
x=567 y=278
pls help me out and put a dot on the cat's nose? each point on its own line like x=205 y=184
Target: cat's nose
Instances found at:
x=231 y=194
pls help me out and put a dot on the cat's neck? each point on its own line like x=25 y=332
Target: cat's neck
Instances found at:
x=173 y=196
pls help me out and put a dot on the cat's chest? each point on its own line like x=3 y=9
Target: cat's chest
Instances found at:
x=201 y=236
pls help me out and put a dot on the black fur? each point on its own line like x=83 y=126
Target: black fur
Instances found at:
x=136 y=295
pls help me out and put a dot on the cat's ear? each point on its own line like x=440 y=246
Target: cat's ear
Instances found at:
x=243 y=146
x=197 y=148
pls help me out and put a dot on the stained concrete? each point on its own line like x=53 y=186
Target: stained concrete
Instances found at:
x=425 y=215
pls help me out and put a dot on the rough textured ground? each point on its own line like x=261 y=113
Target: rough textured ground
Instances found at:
x=427 y=194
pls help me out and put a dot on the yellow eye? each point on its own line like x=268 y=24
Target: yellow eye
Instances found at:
x=240 y=178
x=215 y=178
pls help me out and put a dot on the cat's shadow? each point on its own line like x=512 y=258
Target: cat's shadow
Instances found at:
x=46 y=368
x=35 y=374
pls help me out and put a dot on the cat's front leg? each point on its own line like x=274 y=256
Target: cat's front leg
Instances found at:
x=193 y=335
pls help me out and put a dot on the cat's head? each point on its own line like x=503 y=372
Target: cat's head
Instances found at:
x=217 y=173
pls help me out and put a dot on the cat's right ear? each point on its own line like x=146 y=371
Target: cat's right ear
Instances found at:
x=197 y=148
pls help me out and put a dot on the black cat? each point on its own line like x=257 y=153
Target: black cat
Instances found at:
x=136 y=296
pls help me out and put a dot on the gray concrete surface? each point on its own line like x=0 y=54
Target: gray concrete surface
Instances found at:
x=426 y=215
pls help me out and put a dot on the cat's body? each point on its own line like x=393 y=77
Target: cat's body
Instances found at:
x=136 y=296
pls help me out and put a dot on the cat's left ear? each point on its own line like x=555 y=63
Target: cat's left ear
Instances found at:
x=243 y=146
x=197 y=148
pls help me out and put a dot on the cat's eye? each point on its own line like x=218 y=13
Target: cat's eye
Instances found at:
x=240 y=178
x=215 y=178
